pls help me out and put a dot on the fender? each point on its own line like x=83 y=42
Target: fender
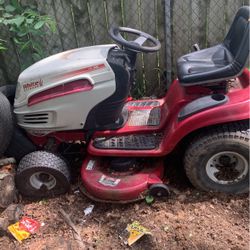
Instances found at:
x=236 y=109
x=229 y=112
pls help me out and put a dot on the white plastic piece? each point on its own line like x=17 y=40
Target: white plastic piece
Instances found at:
x=88 y=210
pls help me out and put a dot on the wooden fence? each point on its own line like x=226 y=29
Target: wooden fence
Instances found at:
x=176 y=23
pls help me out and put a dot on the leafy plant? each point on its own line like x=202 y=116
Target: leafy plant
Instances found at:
x=26 y=26
x=2 y=45
x=149 y=199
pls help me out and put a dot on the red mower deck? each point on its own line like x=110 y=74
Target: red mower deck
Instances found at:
x=104 y=184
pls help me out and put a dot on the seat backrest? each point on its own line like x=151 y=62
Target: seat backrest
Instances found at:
x=237 y=39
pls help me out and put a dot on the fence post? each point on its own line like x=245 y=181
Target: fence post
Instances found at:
x=168 y=42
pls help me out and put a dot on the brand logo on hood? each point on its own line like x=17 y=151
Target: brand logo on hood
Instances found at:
x=33 y=85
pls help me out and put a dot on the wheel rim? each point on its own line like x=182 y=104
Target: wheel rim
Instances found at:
x=227 y=167
x=40 y=179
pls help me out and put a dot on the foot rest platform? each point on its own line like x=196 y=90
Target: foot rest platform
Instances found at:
x=129 y=142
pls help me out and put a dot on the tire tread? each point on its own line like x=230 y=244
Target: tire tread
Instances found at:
x=237 y=131
x=6 y=123
x=44 y=159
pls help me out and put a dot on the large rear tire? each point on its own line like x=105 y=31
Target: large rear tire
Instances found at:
x=42 y=174
x=20 y=145
x=6 y=123
x=219 y=160
x=9 y=91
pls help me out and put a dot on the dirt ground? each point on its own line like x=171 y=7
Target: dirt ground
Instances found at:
x=188 y=219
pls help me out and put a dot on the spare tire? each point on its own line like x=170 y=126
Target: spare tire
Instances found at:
x=6 y=123
x=20 y=145
x=9 y=91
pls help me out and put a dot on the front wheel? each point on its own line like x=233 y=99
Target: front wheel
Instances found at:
x=219 y=160
x=42 y=174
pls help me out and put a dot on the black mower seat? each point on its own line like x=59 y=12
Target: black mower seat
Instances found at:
x=221 y=62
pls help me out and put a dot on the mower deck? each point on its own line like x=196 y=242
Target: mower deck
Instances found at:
x=102 y=182
x=86 y=193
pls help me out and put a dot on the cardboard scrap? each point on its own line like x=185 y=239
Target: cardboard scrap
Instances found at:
x=17 y=232
x=136 y=231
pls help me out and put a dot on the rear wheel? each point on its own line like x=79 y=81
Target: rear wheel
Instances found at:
x=6 y=123
x=219 y=160
x=20 y=145
x=42 y=174
x=9 y=91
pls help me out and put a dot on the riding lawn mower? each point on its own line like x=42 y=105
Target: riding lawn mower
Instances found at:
x=78 y=101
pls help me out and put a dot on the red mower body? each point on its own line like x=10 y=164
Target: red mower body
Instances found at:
x=235 y=109
x=100 y=182
x=77 y=103
x=82 y=102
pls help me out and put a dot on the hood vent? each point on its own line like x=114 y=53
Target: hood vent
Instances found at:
x=40 y=118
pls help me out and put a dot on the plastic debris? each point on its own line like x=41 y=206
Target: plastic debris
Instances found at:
x=88 y=210
x=136 y=231
x=22 y=229
x=30 y=225
x=17 y=232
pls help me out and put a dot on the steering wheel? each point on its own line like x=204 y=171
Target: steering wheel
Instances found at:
x=137 y=44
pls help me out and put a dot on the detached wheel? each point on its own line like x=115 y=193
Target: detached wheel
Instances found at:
x=6 y=123
x=219 y=160
x=42 y=174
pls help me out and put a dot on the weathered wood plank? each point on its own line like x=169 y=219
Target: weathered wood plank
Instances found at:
x=131 y=14
x=82 y=23
x=2 y=78
x=53 y=40
x=199 y=22
x=148 y=25
x=114 y=13
x=164 y=34
x=85 y=22
x=132 y=20
x=181 y=29
x=65 y=24
x=98 y=21
x=216 y=22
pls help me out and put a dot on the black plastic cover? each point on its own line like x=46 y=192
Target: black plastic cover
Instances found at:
x=200 y=104
x=108 y=113
x=220 y=62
